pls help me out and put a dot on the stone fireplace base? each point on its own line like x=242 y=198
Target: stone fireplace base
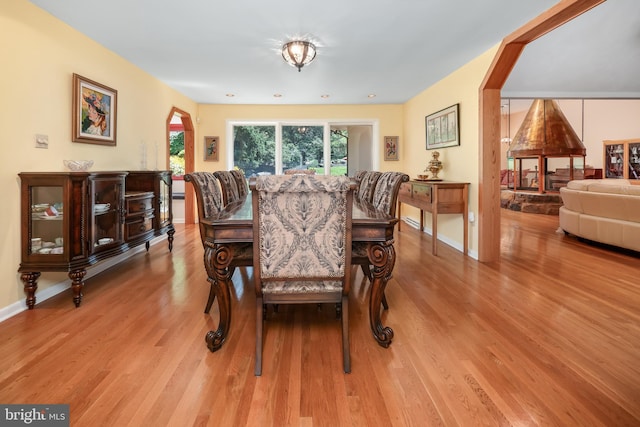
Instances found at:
x=528 y=202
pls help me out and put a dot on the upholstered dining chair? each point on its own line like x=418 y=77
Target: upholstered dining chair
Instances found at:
x=384 y=198
x=302 y=246
x=300 y=172
x=358 y=176
x=367 y=186
x=209 y=199
x=241 y=181
x=229 y=187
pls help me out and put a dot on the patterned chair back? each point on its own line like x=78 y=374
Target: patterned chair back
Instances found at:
x=241 y=181
x=367 y=186
x=208 y=195
x=229 y=187
x=386 y=192
x=300 y=172
x=302 y=230
x=358 y=176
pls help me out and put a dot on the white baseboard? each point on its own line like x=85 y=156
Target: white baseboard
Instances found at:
x=415 y=224
x=53 y=290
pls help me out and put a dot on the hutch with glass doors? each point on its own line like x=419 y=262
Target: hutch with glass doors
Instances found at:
x=622 y=159
x=72 y=220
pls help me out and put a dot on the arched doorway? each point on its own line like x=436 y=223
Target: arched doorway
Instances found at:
x=504 y=61
x=189 y=138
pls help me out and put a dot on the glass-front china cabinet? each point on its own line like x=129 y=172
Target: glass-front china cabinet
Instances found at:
x=72 y=220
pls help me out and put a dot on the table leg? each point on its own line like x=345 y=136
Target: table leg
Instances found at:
x=217 y=259
x=383 y=257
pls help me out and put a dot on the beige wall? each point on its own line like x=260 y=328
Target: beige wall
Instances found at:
x=213 y=122
x=460 y=163
x=39 y=56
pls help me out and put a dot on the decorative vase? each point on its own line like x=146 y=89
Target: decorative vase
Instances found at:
x=435 y=165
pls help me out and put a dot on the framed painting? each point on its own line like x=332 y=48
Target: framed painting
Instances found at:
x=94 y=112
x=391 y=148
x=211 y=148
x=443 y=128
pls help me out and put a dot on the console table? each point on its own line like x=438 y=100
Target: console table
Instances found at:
x=437 y=197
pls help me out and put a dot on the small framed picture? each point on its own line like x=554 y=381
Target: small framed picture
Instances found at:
x=391 y=148
x=94 y=112
x=211 y=148
x=443 y=128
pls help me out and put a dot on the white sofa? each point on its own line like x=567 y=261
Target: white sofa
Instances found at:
x=602 y=210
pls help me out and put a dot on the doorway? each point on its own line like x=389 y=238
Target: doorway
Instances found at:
x=181 y=122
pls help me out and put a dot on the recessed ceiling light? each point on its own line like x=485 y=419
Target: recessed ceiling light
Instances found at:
x=277 y=95
x=230 y=95
x=371 y=95
x=324 y=96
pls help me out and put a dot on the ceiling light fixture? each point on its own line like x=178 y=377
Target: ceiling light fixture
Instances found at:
x=298 y=53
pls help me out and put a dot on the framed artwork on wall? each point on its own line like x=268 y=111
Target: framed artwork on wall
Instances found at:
x=211 y=148
x=391 y=148
x=94 y=112
x=443 y=128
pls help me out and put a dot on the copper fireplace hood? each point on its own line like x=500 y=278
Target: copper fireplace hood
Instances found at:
x=546 y=133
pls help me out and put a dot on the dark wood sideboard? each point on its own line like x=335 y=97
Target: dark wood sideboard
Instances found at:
x=437 y=197
x=72 y=220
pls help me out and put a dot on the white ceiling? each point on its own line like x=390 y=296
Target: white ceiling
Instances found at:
x=391 y=48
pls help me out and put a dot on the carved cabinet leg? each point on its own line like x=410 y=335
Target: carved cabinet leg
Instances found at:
x=30 y=280
x=77 y=284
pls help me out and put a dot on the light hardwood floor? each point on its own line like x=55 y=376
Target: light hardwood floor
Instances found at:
x=550 y=335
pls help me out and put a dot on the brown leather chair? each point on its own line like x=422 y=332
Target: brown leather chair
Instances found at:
x=209 y=198
x=302 y=251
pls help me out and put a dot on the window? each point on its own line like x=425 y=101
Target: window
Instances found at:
x=274 y=148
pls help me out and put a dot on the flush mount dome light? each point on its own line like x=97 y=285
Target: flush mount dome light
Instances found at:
x=298 y=53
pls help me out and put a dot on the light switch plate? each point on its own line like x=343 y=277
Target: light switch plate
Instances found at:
x=42 y=141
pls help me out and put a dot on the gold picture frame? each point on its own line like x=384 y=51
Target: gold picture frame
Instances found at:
x=94 y=116
x=391 y=148
x=211 y=148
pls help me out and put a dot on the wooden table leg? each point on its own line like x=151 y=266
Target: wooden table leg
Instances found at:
x=434 y=221
x=383 y=257
x=217 y=259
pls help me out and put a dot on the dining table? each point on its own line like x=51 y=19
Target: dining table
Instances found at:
x=233 y=226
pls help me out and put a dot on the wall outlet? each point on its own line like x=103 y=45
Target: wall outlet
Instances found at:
x=42 y=141
x=472 y=217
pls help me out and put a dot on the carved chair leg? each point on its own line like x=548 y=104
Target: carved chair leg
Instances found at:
x=260 y=314
x=346 y=357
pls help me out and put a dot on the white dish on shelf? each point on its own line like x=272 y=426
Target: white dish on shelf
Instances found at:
x=105 y=241
x=101 y=206
x=45 y=216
